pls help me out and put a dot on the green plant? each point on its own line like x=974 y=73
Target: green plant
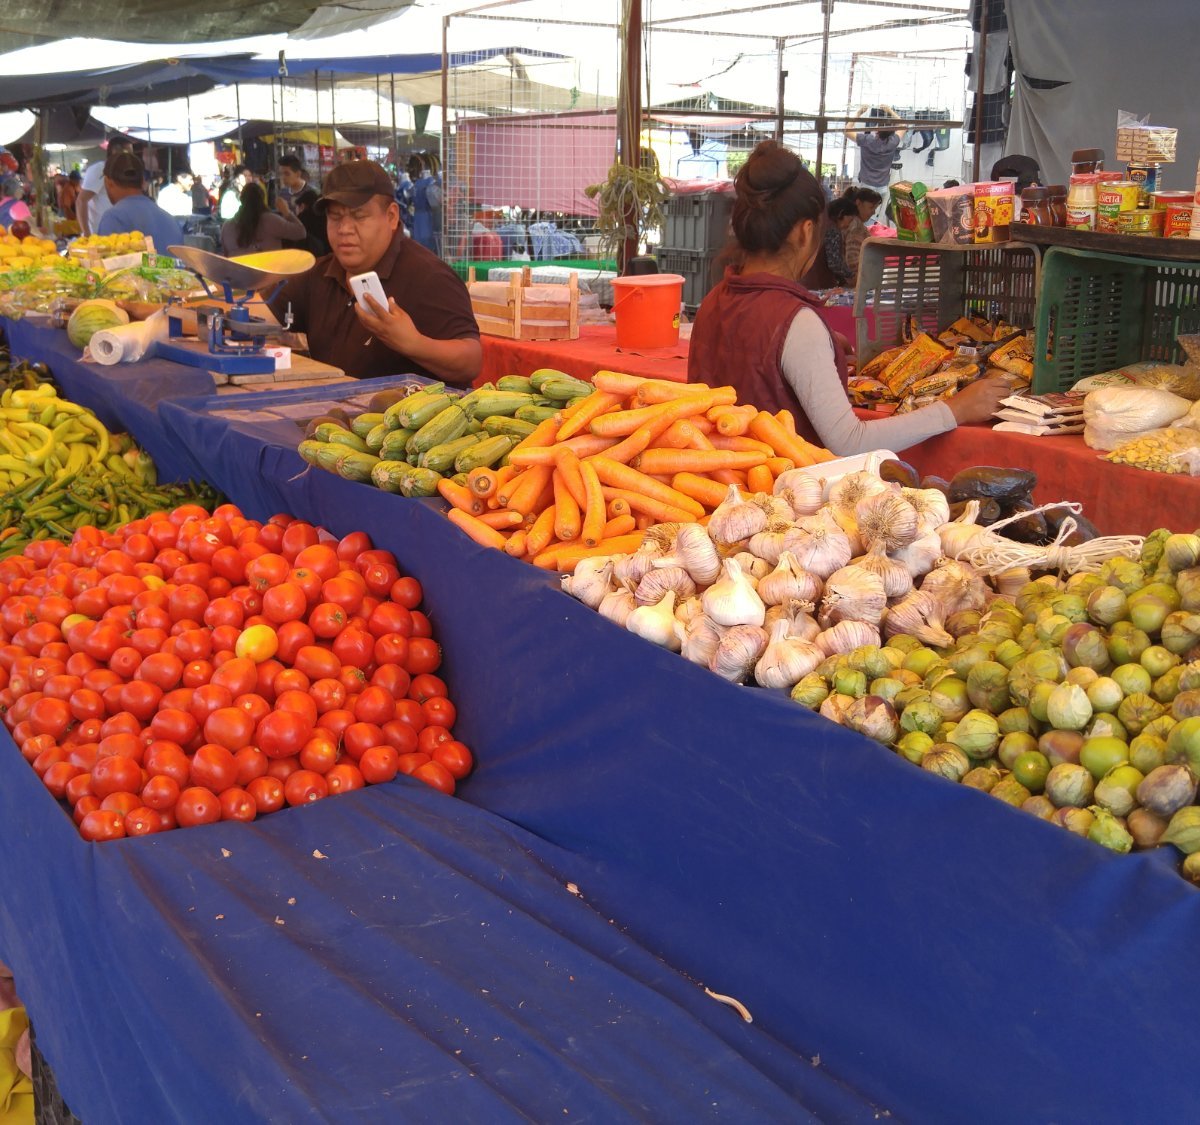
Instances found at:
x=630 y=201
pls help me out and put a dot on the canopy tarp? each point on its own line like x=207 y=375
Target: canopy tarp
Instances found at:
x=27 y=22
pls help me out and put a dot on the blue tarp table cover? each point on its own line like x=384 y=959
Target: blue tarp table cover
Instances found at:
x=124 y=396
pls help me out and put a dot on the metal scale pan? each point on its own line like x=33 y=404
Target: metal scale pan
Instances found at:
x=251 y=272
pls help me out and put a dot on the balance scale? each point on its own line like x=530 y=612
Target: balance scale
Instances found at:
x=227 y=339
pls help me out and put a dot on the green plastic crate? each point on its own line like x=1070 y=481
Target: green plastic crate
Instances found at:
x=1100 y=311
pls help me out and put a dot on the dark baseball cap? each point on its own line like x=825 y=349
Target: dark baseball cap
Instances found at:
x=354 y=183
x=124 y=168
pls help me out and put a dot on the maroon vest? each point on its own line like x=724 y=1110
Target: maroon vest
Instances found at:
x=738 y=339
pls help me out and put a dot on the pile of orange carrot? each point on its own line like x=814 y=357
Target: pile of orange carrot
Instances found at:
x=633 y=453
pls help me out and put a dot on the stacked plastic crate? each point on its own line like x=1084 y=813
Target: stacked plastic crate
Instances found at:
x=695 y=233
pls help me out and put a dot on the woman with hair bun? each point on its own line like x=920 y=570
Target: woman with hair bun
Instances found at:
x=758 y=329
x=861 y=203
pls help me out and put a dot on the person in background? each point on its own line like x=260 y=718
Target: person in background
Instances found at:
x=864 y=203
x=131 y=208
x=293 y=179
x=229 y=197
x=175 y=198
x=13 y=208
x=759 y=330
x=838 y=218
x=70 y=194
x=404 y=195
x=254 y=228
x=427 y=202
x=877 y=149
x=428 y=327
x=93 y=200
x=202 y=201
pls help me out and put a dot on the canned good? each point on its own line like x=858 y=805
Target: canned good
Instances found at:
x=1143 y=221
x=1113 y=198
x=1178 y=207
x=1146 y=178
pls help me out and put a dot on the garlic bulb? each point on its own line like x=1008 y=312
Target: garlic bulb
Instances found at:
x=629 y=570
x=960 y=534
x=590 y=584
x=787 y=581
x=771 y=543
x=846 y=636
x=801 y=624
x=931 y=506
x=853 y=594
x=776 y=507
x=661 y=536
x=737 y=652
x=735 y=520
x=896 y=580
x=919 y=615
x=786 y=660
x=656 y=623
x=847 y=492
x=752 y=566
x=921 y=555
x=804 y=493
x=956 y=585
x=885 y=517
x=820 y=551
x=688 y=610
x=652 y=587
x=617 y=606
x=700 y=638
x=695 y=552
x=1011 y=581
x=731 y=600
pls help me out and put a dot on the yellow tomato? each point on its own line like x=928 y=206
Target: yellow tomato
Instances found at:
x=258 y=643
x=7 y=251
x=20 y=262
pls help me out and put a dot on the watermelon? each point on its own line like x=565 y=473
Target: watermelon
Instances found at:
x=92 y=317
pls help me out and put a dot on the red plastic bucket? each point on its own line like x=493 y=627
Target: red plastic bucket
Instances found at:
x=647 y=310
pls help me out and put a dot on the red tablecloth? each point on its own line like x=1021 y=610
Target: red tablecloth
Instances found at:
x=1118 y=499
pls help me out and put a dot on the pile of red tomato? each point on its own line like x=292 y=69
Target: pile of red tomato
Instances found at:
x=189 y=668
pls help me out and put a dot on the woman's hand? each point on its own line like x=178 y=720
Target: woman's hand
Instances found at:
x=281 y=205
x=979 y=401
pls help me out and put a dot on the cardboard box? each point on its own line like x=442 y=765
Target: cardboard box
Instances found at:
x=913 y=222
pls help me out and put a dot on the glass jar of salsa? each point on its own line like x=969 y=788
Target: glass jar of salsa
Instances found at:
x=1035 y=207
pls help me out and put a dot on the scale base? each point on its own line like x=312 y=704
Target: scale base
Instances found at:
x=196 y=354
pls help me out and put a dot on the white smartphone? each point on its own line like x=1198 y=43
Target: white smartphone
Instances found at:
x=363 y=283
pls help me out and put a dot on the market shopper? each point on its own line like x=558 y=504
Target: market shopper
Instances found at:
x=131 y=208
x=93 y=200
x=302 y=196
x=877 y=150
x=13 y=208
x=426 y=201
x=254 y=228
x=758 y=329
x=428 y=327
x=866 y=202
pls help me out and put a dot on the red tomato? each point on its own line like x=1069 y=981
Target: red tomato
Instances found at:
x=174 y=725
x=229 y=563
x=424 y=656
x=160 y=792
x=296 y=537
x=391 y=648
x=282 y=733
x=319 y=755
x=322 y=559
x=115 y=774
x=142 y=821
x=406 y=592
x=439 y=711
x=336 y=721
x=267 y=671
x=163 y=669
x=400 y=736
x=254 y=705
x=168 y=760
x=303 y=787
x=344 y=778
x=317 y=663
x=328 y=695
x=187 y=602
x=194 y=644
x=421 y=625
x=124 y=803
x=83 y=806
x=50 y=716
x=292 y=637
x=455 y=757
x=355 y=647
x=197 y=673
x=225 y=611
x=249 y=599
x=237 y=804
x=290 y=679
x=239 y=675
x=267 y=793
x=352 y=679
x=102 y=824
x=283 y=768
x=266 y=571
x=375 y=705
x=409 y=711
x=47 y=758
x=213 y=767
x=351 y=546
x=379 y=764
x=429 y=737
x=298 y=701
x=357 y=738
x=327 y=620
x=436 y=776
x=209 y=698
x=197 y=805
x=225 y=638
x=393 y=679
x=78 y=786
x=389 y=617
x=229 y=727
x=251 y=763
x=59 y=776
x=409 y=763
x=140 y=699
x=346 y=590
x=307 y=580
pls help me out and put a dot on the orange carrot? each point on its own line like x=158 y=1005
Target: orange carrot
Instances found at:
x=568 y=464
x=617 y=508
x=741 y=444
x=516 y=543
x=709 y=492
x=592 y=529
x=659 y=390
x=644 y=520
x=482 y=534
x=735 y=424
x=459 y=496
x=767 y=428
x=621 y=525
x=646 y=505
x=482 y=482
x=700 y=439
x=500 y=498
x=503 y=519
x=568 y=558
x=597 y=403
x=780 y=465
x=759 y=479
x=621 y=423
x=728 y=477
x=616 y=475
x=695 y=460
x=541 y=533
x=529 y=485
x=628 y=448
x=542 y=436
x=566 y=518
x=702 y=424
x=785 y=419
x=548 y=559
x=616 y=383
x=677 y=435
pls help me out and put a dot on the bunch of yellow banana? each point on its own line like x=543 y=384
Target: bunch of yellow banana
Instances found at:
x=42 y=435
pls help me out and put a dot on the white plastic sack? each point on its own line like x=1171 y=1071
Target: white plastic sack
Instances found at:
x=1113 y=414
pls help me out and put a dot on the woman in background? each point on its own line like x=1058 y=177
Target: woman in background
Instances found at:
x=254 y=229
x=861 y=203
x=759 y=331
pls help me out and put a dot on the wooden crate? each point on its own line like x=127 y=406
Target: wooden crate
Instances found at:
x=512 y=318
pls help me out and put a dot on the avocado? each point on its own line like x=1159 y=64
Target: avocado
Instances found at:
x=989 y=482
x=381 y=400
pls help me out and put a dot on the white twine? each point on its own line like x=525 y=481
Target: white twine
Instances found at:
x=1085 y=558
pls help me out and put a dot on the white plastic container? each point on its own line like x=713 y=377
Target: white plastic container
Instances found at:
x=830 y=472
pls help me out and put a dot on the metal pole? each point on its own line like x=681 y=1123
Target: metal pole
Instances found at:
x=237 y=95
x=317 y=115
x=462 y=192
x=630 y=136
x=781 y=79
x=827 y=9
x=395 y=139
x=849 y=102
x=980 y=67
x=39 y=169
x=378 y=112
x=333 y=118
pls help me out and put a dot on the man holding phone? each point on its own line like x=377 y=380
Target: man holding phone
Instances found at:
x=427 y=326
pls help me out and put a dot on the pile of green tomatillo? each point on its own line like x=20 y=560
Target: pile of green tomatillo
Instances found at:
x=1079 y=701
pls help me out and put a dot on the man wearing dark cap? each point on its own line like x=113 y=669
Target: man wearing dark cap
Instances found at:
x=132 y=210
x=428 y=327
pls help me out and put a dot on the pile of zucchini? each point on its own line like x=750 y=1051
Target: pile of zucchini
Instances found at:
x=417 y=440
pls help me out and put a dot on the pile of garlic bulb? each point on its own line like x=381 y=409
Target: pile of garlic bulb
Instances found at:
x=775 y=584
